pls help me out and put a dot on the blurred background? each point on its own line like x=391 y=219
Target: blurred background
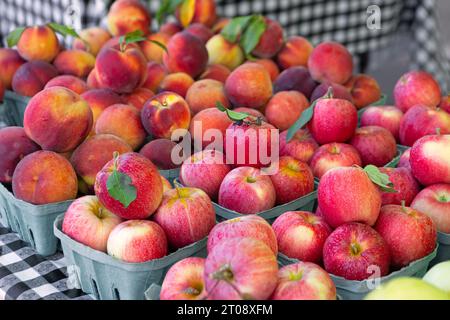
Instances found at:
x=408 y=34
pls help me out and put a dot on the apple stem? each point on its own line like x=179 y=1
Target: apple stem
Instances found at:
x=192 y=291
x=438 y=131
x=329 y=94
x=403 y=205
x=115 y=158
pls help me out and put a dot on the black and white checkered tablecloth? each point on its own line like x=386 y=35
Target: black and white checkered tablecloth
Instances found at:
x=25 y=275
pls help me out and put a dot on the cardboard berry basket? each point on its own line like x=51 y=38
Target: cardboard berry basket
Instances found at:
x=15 y=106
x=33 y=223
x=357 y=290
x=108 y=278
x=443 y=252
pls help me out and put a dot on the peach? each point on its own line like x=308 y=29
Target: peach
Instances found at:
x=339 y=91
x=38 y=43
x=92 y=80
x=57 y=119
x=75 y=62
x=295 y=78
x=92 y=155
x=216 y=72
x=159 y=152
x=165 y=113
x=301 y=147
x=186 y=53
x=126 y=16
x=32 y=76
x=197 y=11
x=200 y=31
x=220 y=24
x=270 y=66
x=44 y=177
x=115 y=42
x=207 y=119
x=225 y=53
x=121 y=69
x=204 y=94
x=295 y=52
x=249 y=86
x=178 y=82
x=10 y=61
x=271 y=40
x=285 y=107
x=330 y=61
x=124 y=122
x=94 y=37
x=14 y=145
x=155 y=74
x=70 y=82
x=444 y=105
x=364 y=90
x=138 y=97
x=151 y=50
x=170 y=28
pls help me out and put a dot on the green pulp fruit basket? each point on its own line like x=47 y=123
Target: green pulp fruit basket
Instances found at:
x=15 y=106
x=108 y=278
x=443 y=253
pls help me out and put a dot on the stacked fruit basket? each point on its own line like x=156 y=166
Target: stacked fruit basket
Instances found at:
x=215 y=159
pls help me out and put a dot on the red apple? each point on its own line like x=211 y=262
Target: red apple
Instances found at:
x=405 y=185
x=353 y=249
x=403 y=162
x=145 y=179
x=186 y=216
x=294 y=179
x=346 y=194
x=302 y=146
x=410 y=234
x=416 y=87
x=430 y=159
x=137 y=241
x=89 y=223
x=388 y=117
x=301 y=235
x=247 y=191
x=205 y=170
x=434 y=201
x=421 y=121
x=184 y=281
x=334 y=120
x=241 y=268
x=243 y=227
x=376 y=145
x=332 y=155
x=304 y=281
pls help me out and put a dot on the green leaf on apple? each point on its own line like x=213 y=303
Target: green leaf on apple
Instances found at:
x=381 y=101
x=233 y=115
x=14 y=36
x=379 y=178
x=166 y=8
x=252 y=34
x=120 y=186
x=235 y=28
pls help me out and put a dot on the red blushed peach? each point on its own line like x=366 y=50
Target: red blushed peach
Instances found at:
x=14 y=145
x=285 y=107
x=295 y=52
x=155 y=74
x=197 y=11
x=444 y=105
x=94 y=37
x=92 y=80
x=70 y=82
x=295 y=78
x=186 y=53
x=90 y=156
x=249 y=86
x=205 y=94
x=216 y=72
x=225 y=53
x=270 y=66
x=271 y=40
x=330 y=61
x=151 y=50
x=164 y=114
x=10 y=61
x=44 y=177
x=57 y=119
x=75 y=62
x=138 y=97
x=178 y=82
x=339 y=91
x=200 y=31
x=220 y=24
x=121 y=69
x=38 y=43
x=126 y=16
x=301 y=147
x=32 y=77
x=159 y=152
x=364 y=90
x=170 y=28
x=124 y=122
x=205 y=120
